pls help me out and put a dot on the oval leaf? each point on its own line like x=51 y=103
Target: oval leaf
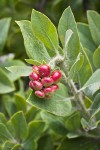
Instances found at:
x=57 y=105
x=5 y=64
x=4 y=133
x=44 y=30
x=20 y=70
x=86 y=70
x=19 y=123
x=6 y=85
x=93 y=84
x=7 y=145
x=33 y=62
x=73 y=122
x=76 y=66
x=85 y=36
x=95 y=107
x=35 y=49
x=56 y=123
x=4 y=27
x=96 y=57
x=67 y=22
x=94 y=25
x=20 y=102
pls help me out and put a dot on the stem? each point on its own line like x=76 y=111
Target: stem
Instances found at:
x=88 y=135
x=79 y=98
x=56 y=61
x=92 y=136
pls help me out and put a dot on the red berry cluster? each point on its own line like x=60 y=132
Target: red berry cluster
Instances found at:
x=43 y=81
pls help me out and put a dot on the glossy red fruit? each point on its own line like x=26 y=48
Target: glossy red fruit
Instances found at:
x=35 y=69
x=47 y=81
x=54 y=87
x=34 y=76
x=47 y=90
x=56 y=76
x=44 y=70
x=31 y=84
x=37 y=85
x=40 y=94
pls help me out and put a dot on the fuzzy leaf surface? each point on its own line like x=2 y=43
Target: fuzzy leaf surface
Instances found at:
x=57 y=105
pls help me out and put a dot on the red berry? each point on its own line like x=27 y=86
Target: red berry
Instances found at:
x=44 y=70
x=34 y=76
x=48 y=90
x=31 y=84
x=47 y=81
x=56 y=76
x=40 y=94
x=37 y=85
x=54 y=87
x=35 y=69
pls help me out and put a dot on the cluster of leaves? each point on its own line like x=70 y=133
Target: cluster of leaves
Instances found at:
x=21 y=9
x=31 y=123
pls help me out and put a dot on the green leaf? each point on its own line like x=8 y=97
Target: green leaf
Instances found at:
x=35 y=49
x=95 y=107
x=6 y=85
x=85 y=37
x=96 y=57
x=45 y=142
x=44 y=30
x=16 y=147
x=56 y=123
x=67 y=37
x=32 y=113
x=20 y=102
x=21 y=90
x=93 y=83
x=87 y=101
x=90 y=57
x=7 y=145
x=67 y=22
x=4 y=27
x=31 y=145
x=11 y=129
x=79 y=144
x=2 y=118
x=12 y=76
x=20 y=70
x=57 y=105
x=76 y=66
x=85 y=124
x=72 y=135
x=73 y=122
x=35 y=130
x=86 y=70
x=20 y=125
x=33 y=62
x=94 y=25
x=4 y=133
x=11 y=63
x=9 y=104
x=88 y=125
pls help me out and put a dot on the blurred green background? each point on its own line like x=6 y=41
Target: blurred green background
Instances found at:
x=21 y=9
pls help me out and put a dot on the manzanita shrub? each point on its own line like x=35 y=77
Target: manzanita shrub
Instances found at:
x=60 y=107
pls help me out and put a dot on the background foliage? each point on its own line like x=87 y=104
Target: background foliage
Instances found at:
x=49 y=124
